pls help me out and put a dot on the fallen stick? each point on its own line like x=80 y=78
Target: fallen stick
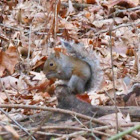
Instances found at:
x=58 y=110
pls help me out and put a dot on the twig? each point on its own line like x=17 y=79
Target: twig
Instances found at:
x=101 y=128
x=62 y=127
x=117 y=108
x=55 y=19
x=10 y=27
x=92 y=132
x=52 y=109
x=110 y=126
x=4 y=133
x=117 y=27
x=48 y=134
x=79 y=121
x=21 y=127
x=4 y=38
x=113 y=77
x=97 y=33
x=70 y=128
x=121 y=134
x=77 y=5
x=29 y=48
x=75 y=134
x=7 y=95
x=133 y=134
x=64 y=137
x=25 y=31
x=138 y=31
x=125 y=10
x=112 y=101
x=101 y=110
x=41 y=124
x=96 y=129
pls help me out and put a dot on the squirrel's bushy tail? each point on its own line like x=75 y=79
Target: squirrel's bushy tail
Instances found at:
x=79 y=51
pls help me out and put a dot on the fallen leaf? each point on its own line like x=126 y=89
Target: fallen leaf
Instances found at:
x=8 y=60
x=111 y=119
x=12 y=131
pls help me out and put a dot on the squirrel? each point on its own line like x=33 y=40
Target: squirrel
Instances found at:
x=80 y=71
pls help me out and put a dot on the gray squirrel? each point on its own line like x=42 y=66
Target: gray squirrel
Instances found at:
x=80 y=70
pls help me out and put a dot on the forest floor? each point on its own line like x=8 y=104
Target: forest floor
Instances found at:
x=30 y=31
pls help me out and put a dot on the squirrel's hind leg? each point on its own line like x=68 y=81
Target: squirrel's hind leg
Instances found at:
x=76 y=85
x=61 y=83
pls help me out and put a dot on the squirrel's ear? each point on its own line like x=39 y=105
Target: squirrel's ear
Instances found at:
x=55 y=54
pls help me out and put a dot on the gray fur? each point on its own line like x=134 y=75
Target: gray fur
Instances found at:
x=78 y=51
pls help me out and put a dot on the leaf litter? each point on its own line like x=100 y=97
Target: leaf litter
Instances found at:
x=30 y=25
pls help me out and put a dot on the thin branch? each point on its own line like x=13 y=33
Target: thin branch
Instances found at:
x=121 y=134
x=65 y=137
x=77 y=5
x=92 y=132
x=101 y=110
x=75 y=134
x=125 y=10
x=10 y=27
x=113 y=76
x=75 y=117
x=100 y=128
x=112 y=101
x=6 y=93
x=70 y=128
x=41 y=124
x=27 y=32
x=95 y=130
x=53 y=110
x=117 y=109
x=138 y=56
x=133 y=134
x=55 y=20
x=21 y=127
x=117 y=27
x=4 y=38
x=49 y=133
x=29 y=48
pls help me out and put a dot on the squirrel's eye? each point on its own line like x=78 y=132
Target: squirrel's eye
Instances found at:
x=51 y=64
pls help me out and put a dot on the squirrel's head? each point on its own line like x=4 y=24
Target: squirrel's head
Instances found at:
x=51 y=67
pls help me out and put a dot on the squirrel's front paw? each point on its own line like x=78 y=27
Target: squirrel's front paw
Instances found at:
x=71 y=90
x=61 y=90
x=61 y=83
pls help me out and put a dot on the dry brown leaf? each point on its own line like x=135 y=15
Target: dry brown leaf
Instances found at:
x=37 y=76
x=81 y=25
x=97 y=99
x=125 y=3
x=71 y=8
x=91 y=1
x=84 y=97
x=111 y=119
x=12 y=131
x=37 y=97
x=3 y=97
x=9 y=82
x=19 y=16
x=8 y=60
x=58 y=6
